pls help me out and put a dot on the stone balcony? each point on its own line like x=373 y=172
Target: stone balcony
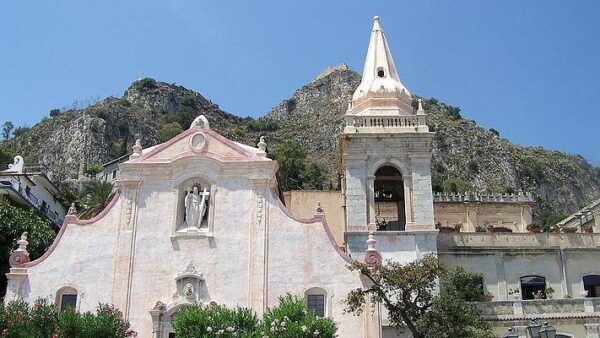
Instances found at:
x=457 y=241
x=386 y=123
x=540 y=309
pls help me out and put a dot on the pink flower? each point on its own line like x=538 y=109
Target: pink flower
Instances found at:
x=5 y=332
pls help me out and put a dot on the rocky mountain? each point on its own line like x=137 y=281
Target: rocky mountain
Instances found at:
x=464 y=155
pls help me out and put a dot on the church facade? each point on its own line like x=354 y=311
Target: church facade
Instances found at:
x=199 y=219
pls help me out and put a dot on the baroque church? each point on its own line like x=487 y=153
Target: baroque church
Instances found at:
x=199 y=218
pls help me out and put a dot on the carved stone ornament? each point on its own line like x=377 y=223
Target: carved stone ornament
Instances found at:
x=159 y=306
x=20 y=256
x=200 y=122
x=372 y=256
x=197 y=142
x=188 y=284
x=17 y=165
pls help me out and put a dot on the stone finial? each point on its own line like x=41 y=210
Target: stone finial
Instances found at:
x=200 y=122
x=137 y=150
x=23 y=242
x=420 y=110
x=16 y=166
x=319 y=209
x=262 y=145
x=72 y=210
x=20 y=256
x=372 y=256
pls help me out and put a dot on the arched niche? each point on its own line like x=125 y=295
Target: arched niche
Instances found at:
x=195 y=206
x=389 y=199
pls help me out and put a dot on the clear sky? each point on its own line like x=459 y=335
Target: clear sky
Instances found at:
x=530 y=69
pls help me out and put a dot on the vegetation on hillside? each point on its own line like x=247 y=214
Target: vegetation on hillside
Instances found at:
x=294 y=172
x=465 y=156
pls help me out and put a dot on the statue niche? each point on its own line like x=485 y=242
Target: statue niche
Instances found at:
x=194 y=216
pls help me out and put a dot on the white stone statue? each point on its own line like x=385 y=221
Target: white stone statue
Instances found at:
x=17 y=165
x=195 y=207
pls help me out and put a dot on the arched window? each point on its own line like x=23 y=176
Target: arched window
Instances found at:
x=389 y=199
x=533 y=287
x=66 y=297
x=591 y=284
x=316 y=300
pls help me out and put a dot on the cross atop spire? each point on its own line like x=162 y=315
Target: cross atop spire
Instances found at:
x=380 y=81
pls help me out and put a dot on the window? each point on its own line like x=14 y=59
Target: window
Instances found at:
x=533 y=287
x=66 y=297
x=380 y=72
x=114 y=174
x=316 y=301
x=591 y=284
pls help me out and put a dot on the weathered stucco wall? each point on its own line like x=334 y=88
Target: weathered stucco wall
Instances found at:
x=131 y=254
x=302 y=203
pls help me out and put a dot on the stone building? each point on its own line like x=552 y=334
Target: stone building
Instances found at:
x=199 y=219
x=31 y=188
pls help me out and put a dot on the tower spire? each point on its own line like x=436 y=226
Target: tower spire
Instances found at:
x=380 y=80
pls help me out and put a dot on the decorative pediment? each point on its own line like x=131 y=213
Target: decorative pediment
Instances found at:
x=201 y=142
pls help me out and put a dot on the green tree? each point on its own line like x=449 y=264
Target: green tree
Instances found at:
x=314 y=176
x=290 y=155
x=94 y=197
x=94 y=168
x=408 y=293
x=14 y=220
x=7 y=127
x=168 y=131
x=456 y=185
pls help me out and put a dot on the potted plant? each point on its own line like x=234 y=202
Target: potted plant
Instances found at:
x=549 y=292
x=488 y=296
x=479 y=228
x=555 y=229
x=514 y=294
x=457 y=227
x=588 y=229
x=534 y=228
x=569 y=230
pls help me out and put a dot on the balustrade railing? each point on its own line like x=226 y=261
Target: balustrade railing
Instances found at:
x=395 y=121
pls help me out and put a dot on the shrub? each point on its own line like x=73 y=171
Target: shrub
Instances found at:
x=454 y=112
x=145 y=84
x=123 y=102
x=189 y=100
x=168 y=131
x=263 y=124
x=54 y=112
x=205 y=321
x=94 y=168
x=290 y=319
x=456 y=185
x=18 y=319
x=473 y=166
x=495 y=132
x=314 y=176
x=184 y=117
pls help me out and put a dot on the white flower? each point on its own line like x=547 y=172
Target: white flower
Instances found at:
x=282 y=324
x=304 y=328
x=221 y=331
x=316 y=333
x=230 y=329
x=209 y=329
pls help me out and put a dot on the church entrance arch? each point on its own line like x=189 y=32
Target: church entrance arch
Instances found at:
x=389 y=199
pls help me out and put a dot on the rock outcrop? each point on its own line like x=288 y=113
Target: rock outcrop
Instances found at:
x=313 y=116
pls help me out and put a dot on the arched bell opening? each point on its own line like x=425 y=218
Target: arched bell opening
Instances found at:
x=389 y=199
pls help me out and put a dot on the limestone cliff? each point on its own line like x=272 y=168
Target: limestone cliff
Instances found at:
x=152 y=110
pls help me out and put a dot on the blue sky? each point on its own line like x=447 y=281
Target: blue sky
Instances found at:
x=530 y=69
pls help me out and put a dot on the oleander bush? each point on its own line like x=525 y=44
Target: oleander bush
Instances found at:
x=44 y=320
x=289 y=319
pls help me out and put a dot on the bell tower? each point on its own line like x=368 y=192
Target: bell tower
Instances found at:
x=386 y=150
